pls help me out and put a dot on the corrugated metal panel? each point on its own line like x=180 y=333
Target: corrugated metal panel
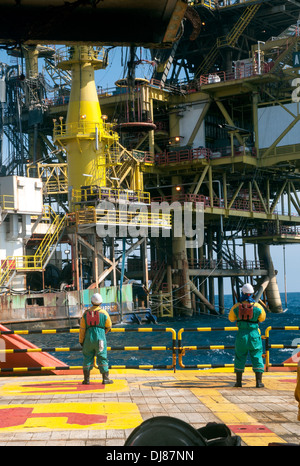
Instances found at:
x=47 y=307
x=271 y=126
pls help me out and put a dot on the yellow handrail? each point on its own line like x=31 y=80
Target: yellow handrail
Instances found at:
x=176 y=345
x=268 y=346
x=171 y=348
x=36 y=261
x=182 y=349
x=84 y=128
x=120 y=217
x=222 y=3
x=7 y=202
x=86 y=194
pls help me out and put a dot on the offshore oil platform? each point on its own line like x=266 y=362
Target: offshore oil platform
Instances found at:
x=214 y=129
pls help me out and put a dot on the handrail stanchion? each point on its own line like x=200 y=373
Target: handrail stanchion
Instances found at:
x=152 y=348
x=267 y=335
x=278 y=346
x=182 y=349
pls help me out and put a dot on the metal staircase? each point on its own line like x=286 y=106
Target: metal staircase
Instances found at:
x=58 y=76
x=40 y=259
x=125 y=163
x=229 y=40
x=158 y=277
x=208 y=61
x=285 y=57
x=52 y=237
x=162 y=299
x=166 y=59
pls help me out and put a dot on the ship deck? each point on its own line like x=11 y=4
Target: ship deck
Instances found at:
x=57 y=410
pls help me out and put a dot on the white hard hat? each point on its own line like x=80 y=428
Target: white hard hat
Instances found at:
x=96 y=299
x=247 y=288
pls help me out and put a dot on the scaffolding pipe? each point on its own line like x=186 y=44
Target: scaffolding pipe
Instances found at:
x=203 y=299
x=261 y=289
x=272 y=290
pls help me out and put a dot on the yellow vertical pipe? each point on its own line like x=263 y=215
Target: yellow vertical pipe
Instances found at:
x=85 y=154
x=84 y=135
x=138 y=179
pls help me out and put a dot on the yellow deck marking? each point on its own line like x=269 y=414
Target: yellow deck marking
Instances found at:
x=68 y=416
x=231 y=414
x=211 y=390
x=287 y=381
x=55 y=387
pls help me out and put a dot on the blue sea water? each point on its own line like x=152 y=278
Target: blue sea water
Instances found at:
x=291 y=317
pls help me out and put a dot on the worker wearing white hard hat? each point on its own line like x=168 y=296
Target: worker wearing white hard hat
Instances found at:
x=247 y=314
x=247 y=289
x=96 y=299
x=94 y=325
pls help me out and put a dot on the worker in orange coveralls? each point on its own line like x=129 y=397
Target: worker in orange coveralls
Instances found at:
x=247 y=313
x=94 y=325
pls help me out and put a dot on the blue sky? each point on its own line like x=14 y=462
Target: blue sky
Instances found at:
x=114 y=71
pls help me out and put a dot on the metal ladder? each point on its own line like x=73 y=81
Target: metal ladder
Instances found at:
x=40 y=259
x=286 y=55
x=229 y=40
x=125 y=163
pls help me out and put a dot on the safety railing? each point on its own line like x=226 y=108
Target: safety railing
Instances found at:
x=7 y=202
x=84 y=129
x=43 y=252
x=245 y=204
x=238 y=204
x=212 y=4
x=270 y=229
x=243 y=70
x=183 y=197
x=279 y=346
x=85 y=53
x=208 y=3
x=53 y=175
x=120 y=217
x=21 y=263
x=184 y=155
x=176 y=349
x=225 y=265
x=182 y=349
x=171 y=348
x=227 y=152
x=202 y=154
x=53 y=234
x=95 y=193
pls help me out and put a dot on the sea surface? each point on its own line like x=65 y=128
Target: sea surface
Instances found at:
x=291 y=317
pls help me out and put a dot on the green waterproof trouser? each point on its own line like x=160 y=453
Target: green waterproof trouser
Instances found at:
x=90 y=350
x=248 y=341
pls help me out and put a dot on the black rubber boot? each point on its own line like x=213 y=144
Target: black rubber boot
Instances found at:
x=105 y=378
x=239 y=376
x=86 y=375
x=258 y=376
